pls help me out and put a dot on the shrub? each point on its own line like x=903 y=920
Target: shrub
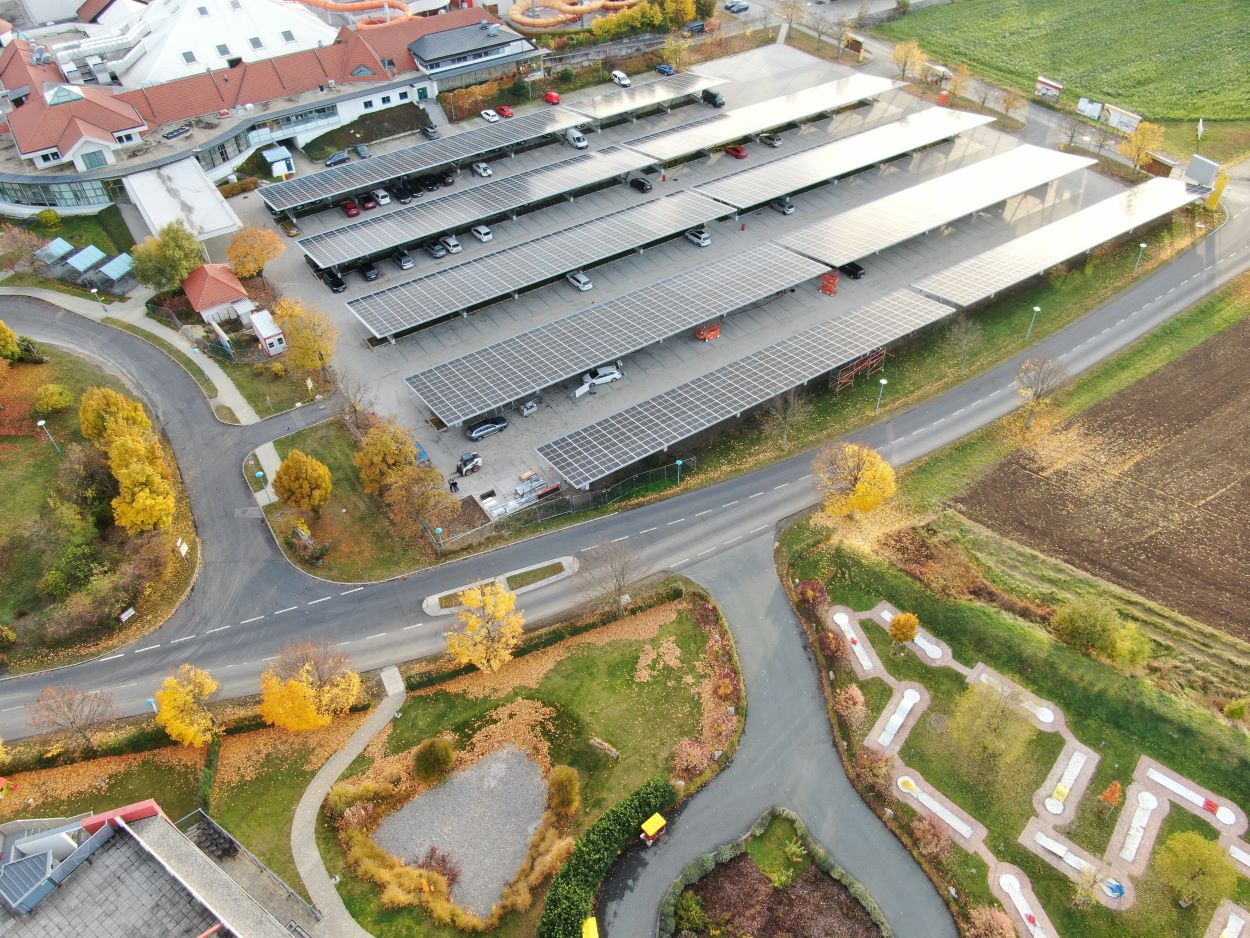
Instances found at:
x=360 y=816
x=874 y=769
x=986 y=922
x=231 y=189
x=690 y=914
x=50 y=218
x=814 y=595
x=565 y=791
x=690 y=758
x=433 y=759
x=1237 y=709
x=346 y=794
x=1088 y=625
x=849 y=704
x=52 y=397
x=258 y=368
x=278 y=370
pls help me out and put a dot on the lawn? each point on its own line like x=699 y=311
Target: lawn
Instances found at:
x=267 y=393
x=537 y=575
x=363 y=546
x=106 y=230
x=768 y=850
x=1144 y=55
x=377 y=125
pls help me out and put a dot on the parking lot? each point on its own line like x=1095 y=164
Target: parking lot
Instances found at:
x=775 y=70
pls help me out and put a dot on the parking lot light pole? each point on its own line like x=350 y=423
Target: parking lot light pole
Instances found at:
x=1032 y=322
x=880 y=395
x=1140 y=254
x=43 y=425
x=679 y=463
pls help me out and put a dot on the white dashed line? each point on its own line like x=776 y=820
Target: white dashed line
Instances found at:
x=274 y=658
x=646 y=531
x=7 y=709
x=699 y=514
x=124 y=686
x=314 y=602
x=616 y=540
x=369 y=638
x=246 y=621
x=678 y=521
x=732 y=539
x=341 y=644
x=680 y=562
x=805 y=478
x=730 y=504
x=220 y=628
x=138 y=651
x=756 y=495
x=185 y=638
x=113 y=657
x=702 y=552
x=762 y=527
x=287 y=609
x=409 y=627
x=356 y=590
x=584 y=549
x=781 y=486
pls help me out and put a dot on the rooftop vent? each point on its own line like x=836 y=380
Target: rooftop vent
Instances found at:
x=484 y=24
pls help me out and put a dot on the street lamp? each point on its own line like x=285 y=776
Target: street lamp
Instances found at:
x=438 y=539
x=1032 y=322
x=43 y=425
x=99 y=299
x=880 y=394
x=1140 y=253
x=679 y=464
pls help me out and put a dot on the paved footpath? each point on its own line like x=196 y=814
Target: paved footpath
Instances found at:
x=786 y=758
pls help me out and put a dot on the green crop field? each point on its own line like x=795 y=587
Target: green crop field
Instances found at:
x=1165 y=59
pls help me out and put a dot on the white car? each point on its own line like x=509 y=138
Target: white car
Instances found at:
x=481 y=169
x=489 y=116
x=579 y=280
x=699 y=236
x=382 y=197
x=449 y=241
x=620 y=78
x=482 y=233
x=604 y=374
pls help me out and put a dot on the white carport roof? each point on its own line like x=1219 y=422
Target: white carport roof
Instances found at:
x=181 y=191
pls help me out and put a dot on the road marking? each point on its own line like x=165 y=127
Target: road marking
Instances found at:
x=732 y=539
x=274 y=658
x=124 y=686
x=341 y=644
x=584 y=549
x=805 y=478
x=185 y=638
x=113 y=657
x=220 y=628
x=138 y=651
x=756 y=495
x=371 y=637
x=700 y=513
x=7 y=709
x=702 y=552
x=417 y=626
x=646 y=531
x=287 y=609
x=730 y=504
x=616 y=540
x=356 y=590
x=762 y=527
x=680 y=562
x=678 y=521
x=314 y=602
x=781 y=486
x=246 y=621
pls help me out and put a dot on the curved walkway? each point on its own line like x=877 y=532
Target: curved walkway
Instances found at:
x=786 y=758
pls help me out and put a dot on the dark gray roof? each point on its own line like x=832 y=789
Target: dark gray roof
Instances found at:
x=21 y=876
x=451 y=42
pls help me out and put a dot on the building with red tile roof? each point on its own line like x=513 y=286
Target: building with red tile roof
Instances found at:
x=215 y=293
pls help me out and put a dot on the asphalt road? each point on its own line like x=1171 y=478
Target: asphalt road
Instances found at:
x=249 y=601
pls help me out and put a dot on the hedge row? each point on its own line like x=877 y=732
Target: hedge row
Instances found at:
x=572 y=896
x=231 y=189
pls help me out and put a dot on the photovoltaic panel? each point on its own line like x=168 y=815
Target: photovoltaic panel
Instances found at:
x=642 y=96
x=740 y=122
x=759 y=184
x=425 y=218
x=494 y=276
x=600 y=449
x=539 y=358
x=869 y=228
x=330 y=184
x=1001 y=267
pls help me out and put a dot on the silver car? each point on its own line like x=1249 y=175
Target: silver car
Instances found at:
x=604 y=374
x=481 y=169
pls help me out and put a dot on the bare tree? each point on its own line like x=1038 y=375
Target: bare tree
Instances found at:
x=1013 y=104
x=983 y=91
x=1037 y=380
x=958 y=83
x=784 y=412
x=792 y=11
x=821 y=24
x=608 y=571
x=72 y=711
x=1103 y=135
x=1071 y=129
x=324 y=662
x=965 y=335
x=18 y=246
x=861 y=17
x=358 y=400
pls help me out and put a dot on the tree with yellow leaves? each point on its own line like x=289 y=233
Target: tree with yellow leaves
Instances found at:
x=904 y=627
x=853 y=480
x=307 y=686
x=10 y=348
x=492 y=627
x=145 y=499
x=251 y=249
x=105 y=415
x=182 y=706
x=310 y=335
x=417 y=500
x=303 y=482
x=386 y=450
x=1138 y=145
x=908 y=57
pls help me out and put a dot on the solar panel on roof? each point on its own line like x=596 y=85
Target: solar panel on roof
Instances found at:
x=539 y=358
x=457 y=211
x=642 y=96
x=493 y=276
x=1000 y=267
x=608 y=445
x=758 y=184
x=869 y=228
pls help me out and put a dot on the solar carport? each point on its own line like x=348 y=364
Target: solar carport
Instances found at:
x=643 y=97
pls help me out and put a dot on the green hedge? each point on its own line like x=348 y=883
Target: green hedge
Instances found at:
x=572 y=896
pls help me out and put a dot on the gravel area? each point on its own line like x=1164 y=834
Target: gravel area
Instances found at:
x=484 y=817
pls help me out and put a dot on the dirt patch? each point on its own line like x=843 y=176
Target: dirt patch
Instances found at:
x=1150 y=489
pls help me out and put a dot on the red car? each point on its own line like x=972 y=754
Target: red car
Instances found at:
x=552 y=97
x=708 y=332
x=350 y=208
x=504 y=111
x=737 y=152
x=367 y=201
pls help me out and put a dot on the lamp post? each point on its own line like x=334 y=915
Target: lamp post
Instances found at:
x=438 y=540
x=1141 y=251
x=880 y=395
x=679 y=464
x=43 y=425
x=99 y=299
x=1032 y=323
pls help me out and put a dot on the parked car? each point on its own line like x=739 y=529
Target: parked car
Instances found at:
x=488 y=426
x=640 y=184
x=699 y=236
x=489 y=116
x=450 y=242
x=381 y=196
x=367 y=201
x=736 y=151
x=289 y=228
x=482 y=233
x=708 y=332
x=770 y=140
x=504 y=111
x=481 y=169
x=403 y=260
x=177 y=132
x=552 y=97
x=784 y=206
x=332 y=280
x=429 y=183
x=853 y=270
x=579 y=280
x=604 y=374
x=430 y=132
x=399 y=192
x=362 y=150
x=737 y=6
x=369 y=271
x=338 y=159
x=665 y=69
x=350 y=208
x=620 y=78
x=435 y=249
x=713 y=97
x=449 y=177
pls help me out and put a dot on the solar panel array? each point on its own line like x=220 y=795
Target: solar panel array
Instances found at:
x=998 y=268
x=759 y=184
x=869 y=228
x=488 y=278
x=741 y=122
x=640 y=97
x=422 y=157
x=539 y=358
x=455 y=212
x=600 y=449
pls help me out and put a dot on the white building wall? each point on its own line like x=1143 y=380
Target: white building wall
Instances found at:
x=51 y=11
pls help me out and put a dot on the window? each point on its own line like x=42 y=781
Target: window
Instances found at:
x=94 y=159
x=362 y=71
x=388 y=63
x=403 y=96
x=368 y=105
x=288 y=36
x=125 y=138
x=256 y=43
x=223 y=49
x=188 y=57
x=386 y=99
x=50 y=157
x=423 y=93
x=203 y=11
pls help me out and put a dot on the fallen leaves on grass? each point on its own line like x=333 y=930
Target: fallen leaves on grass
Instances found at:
x=519 y=724
x=245 y=755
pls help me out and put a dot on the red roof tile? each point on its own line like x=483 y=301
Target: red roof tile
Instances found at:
x=212 y=285
x=88 y=12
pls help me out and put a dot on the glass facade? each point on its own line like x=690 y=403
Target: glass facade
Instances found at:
x=95 y=192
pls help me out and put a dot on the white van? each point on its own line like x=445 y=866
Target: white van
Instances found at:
x=621 y=79
x=576 y=138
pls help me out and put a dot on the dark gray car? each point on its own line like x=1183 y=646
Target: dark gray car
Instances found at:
x=488 y=426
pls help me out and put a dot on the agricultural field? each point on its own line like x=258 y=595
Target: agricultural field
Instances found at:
x=1148 y=489
x=1165 y=60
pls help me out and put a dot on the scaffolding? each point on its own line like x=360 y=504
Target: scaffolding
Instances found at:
x=867 y=364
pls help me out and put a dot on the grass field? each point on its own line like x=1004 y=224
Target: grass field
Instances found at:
x=267 y=394
x=1164 y=60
